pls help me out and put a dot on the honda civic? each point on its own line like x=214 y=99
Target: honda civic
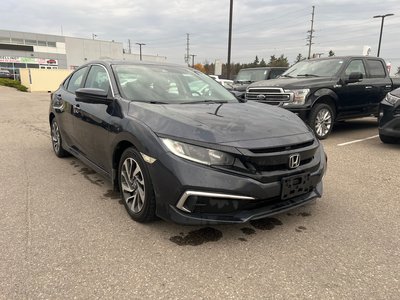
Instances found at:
x=179 y=146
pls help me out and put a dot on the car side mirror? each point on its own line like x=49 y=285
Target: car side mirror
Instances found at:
x=92 y=95
x=354 y=77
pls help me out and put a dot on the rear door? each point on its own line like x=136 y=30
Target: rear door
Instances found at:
x=378 y=83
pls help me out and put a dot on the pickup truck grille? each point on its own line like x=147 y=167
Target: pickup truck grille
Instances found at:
x=273 y=96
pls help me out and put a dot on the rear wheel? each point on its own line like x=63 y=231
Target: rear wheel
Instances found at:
x=321 y=120
x=56 y=140
x=136 y=187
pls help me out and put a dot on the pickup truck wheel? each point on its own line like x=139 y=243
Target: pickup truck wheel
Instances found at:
x=321 y=120
x=387 y=139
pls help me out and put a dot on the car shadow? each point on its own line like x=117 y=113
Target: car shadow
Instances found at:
x=356 y=124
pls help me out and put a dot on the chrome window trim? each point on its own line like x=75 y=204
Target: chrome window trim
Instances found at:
x=108 y=75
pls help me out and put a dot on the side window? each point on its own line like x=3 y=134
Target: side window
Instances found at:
x=66 y=81
x=275 y=73
x=97 y=78
x=76 y=80
x=376 y=68
x=355 y=66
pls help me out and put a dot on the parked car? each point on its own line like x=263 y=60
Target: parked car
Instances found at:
x=250 y=75
x=182 y=152
x=6 y=74
x=226 y=83
x=322 y=91
x=389 y=117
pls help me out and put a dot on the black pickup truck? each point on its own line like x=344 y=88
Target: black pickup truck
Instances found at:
x=249 y=75
x=322 y=91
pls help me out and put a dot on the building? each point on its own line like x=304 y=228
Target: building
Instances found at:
x=44 y=51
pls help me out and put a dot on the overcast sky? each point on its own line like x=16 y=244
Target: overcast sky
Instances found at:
x=260 y=27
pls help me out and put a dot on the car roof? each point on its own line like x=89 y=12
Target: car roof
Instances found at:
x=264 y=68
x=111 y=62
x=345 y=57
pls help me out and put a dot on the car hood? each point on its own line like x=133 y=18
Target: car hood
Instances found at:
x=233 y=124
x=293 y=83
x=396 y=92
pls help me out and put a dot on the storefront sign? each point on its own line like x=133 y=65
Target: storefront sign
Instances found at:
x=29 y=60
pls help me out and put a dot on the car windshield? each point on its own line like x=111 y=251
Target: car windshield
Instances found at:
x=168 y=84
x=251 y=75
x=314 y=68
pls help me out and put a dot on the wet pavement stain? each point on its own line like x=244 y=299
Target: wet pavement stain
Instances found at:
x=197 y=237
x=300 y=229
x=242 y=239
x=304 y=214
x=248 y=231
x=112 y=194
x=266 y=224
x=86 y=172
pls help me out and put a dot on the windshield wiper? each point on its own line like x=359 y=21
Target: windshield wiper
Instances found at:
x=157 y=102
x=288 y=76
x=307 y=75
x=205 y=101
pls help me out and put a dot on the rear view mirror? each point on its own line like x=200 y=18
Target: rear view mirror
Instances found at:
x=354 y=77
x=92 y=95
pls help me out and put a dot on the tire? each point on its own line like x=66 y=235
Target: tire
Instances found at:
x=387 y=139
x=56 y=139
x=321 y=120
x=136 y=187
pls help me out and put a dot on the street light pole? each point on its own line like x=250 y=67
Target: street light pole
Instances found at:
x=140 y=47
x=230 y=40
x=380 y=36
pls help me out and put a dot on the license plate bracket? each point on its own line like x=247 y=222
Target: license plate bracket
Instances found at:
x=296 y=185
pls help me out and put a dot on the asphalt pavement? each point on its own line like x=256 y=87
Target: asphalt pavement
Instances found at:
x=65 y=234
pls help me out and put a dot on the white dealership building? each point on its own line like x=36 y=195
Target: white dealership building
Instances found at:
x=44 y=51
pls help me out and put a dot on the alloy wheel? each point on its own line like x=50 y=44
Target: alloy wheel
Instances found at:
x=133 y=185
x=323 y=122
x=55 y=137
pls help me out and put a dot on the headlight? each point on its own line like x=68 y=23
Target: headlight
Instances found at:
x=299 y=96
x=198 y=154
x=391 y=98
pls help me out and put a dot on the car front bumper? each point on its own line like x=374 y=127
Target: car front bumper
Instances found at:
x=193 y=194
x=389 y=119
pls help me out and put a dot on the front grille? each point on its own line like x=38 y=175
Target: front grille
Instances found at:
x=274 y=96
x=282 y=148
x=272 y=164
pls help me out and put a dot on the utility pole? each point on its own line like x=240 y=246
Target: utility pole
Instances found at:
x=187 y=49
x=193 y=55
x=380 y=36
x=140 y=47
x=129 y=47
x=310 y=36
x=230 y=40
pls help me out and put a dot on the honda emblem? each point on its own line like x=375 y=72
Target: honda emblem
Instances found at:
x=294 y=161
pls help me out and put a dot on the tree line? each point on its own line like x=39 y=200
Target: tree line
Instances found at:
x=274 y=61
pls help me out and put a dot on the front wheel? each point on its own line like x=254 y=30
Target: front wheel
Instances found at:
x=321 y=120
x=136 y=187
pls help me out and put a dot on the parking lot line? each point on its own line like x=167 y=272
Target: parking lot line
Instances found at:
x=357 y=141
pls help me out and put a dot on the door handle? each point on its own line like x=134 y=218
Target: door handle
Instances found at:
x=368 y=87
